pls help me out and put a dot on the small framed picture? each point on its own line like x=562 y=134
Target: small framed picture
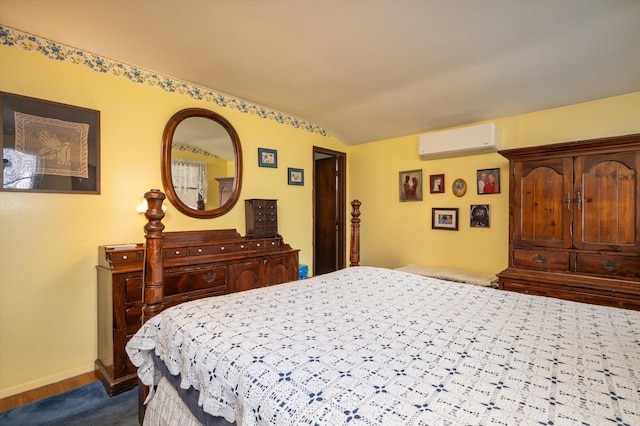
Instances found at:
x=410 y=185
x=459 y=187
x=267 y=157
x=444 y=218
x=480 y=217
x=436 y=184
x=296 y=176
x=488 y=181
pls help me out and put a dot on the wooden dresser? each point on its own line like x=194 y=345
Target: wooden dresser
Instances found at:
x=574 y=221
x=197 y=264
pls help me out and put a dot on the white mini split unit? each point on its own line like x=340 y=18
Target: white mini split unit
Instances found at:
x=461 y=141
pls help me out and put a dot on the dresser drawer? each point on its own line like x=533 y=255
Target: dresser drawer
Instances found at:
x=124 y=256
x=173 y=252
x=615 y=266
x=186 y=282
x=218 y=248
x=536 y=259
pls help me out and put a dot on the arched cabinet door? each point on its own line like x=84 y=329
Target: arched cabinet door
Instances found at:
x=246 y=276
x=542 y=214
x=279 y=270
x=605 y=204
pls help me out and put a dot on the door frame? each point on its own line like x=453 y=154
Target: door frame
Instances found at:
x=341 y=202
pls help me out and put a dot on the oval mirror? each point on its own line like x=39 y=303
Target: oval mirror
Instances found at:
x=201 y=163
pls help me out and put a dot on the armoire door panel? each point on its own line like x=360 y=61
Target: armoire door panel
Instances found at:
x=542 y=211
x=606 y=209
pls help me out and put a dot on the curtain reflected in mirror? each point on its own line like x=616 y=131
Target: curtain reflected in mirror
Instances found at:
x=190 y=182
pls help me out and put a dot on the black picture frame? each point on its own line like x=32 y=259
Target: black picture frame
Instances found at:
x=444 y=218
x=480 y=216
x=295 y=176
x=486 y=178
x=49 y=146
x=267 y=158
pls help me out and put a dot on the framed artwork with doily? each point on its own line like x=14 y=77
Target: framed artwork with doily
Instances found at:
x=49 y=146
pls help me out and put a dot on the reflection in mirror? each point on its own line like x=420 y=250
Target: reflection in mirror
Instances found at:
x=201 y=163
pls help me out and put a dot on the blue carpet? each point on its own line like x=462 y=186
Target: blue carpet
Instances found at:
x=88 y=405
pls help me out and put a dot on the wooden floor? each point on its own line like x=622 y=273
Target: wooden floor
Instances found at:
x=46 y=391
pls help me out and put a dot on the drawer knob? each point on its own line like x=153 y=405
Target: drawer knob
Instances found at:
x=610 y=266
x=222 y=248
x=258 y=245
x=538 y=258
x=199 y=250
x=210 y=277
x=177 y=251
x=125 y=257
x=241 y=246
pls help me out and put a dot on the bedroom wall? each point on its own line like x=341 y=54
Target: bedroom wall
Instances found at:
x=398 y=233
x=48 y=242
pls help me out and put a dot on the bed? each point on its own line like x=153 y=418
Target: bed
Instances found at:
x=376 y=346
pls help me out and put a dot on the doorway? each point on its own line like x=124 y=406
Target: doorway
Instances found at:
x=329 y=210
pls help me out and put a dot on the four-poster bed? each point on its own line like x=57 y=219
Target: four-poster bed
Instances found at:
x=369 y=346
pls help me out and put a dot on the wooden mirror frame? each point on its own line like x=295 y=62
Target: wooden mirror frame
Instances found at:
x=167 y=181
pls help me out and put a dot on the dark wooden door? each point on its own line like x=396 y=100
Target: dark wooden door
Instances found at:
x=329 y=211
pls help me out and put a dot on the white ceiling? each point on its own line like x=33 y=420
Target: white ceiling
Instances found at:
x=365 y=70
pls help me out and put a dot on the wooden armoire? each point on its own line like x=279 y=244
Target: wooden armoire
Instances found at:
x=574 y=221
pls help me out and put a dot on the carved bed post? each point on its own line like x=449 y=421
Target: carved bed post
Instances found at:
x=153 y=273
x=354 y=257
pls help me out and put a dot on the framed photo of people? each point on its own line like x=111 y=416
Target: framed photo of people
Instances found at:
x=436 y=184
x=479 y=214
x=410 y=185
x=444 y=218
x=488 y=181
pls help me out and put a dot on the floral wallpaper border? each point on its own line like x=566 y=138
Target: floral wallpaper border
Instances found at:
x=60 y=52
x=192 y=149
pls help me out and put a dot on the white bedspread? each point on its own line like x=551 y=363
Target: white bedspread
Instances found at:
x=381 y=347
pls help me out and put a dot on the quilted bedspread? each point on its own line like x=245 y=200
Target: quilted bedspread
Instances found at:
x=372 y=346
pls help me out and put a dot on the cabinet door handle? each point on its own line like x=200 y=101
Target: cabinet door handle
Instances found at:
x=209 y=278
x=610 y=266
x=568 y=200
x=578 y=199
x=538 y=258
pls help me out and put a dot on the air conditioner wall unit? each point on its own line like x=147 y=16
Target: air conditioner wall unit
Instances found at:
x=468 y=140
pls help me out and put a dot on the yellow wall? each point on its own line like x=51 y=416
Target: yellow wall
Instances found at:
x=395 y=234
x=48 y=242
